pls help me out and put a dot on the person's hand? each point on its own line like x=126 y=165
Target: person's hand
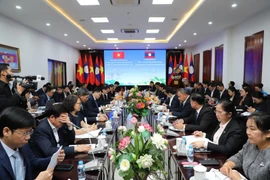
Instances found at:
x=178 y=125
x=250 y=109
x=92 y=127
x=207 y=97
x=61 y=156
x=45 y=175
x=198 y=133
x=65 y=119
x=19 y=88
x=83 y=148
x=235 y=175
x=226 y=170
x=198 y=144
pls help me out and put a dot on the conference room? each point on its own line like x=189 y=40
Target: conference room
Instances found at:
x=158 y=53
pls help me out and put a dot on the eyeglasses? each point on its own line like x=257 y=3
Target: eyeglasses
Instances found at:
x=26 y=133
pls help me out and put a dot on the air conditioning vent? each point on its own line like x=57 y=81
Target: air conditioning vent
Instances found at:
x=129 y=31
x=125 y=3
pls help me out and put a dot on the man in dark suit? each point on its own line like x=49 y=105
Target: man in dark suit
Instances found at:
x=214 y=93
x=92 y=103
x=152 y=87
x=66 y=91
x=161 y=95
x=203 y=119
x=53 y=132
x=111 y=92
x=224 y=95
x=58 y=96
x=173 y=99
x=16 y=158
x=185 y=109
x=92 y=117
x=206 y=90
x=45 y=97
x=104 y=98
x=42 y=90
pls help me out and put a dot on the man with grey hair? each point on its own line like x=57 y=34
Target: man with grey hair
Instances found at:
x=92 y=117
x=185 y=109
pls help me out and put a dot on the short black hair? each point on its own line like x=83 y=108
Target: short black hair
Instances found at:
x=220 y=84
x=15 y=118
x=96 y=89
x=162 y=85
x=104 y=87
x=248 y=90
x=197 y=97
x=258 y=95
x=212 y=84
x=48 y=89
x=231 y=88
x=228 y=106
x=69 y=102
x=170 y=90
x=116 y=83
x=117 y=89
x=262 y=120
x=56 y=110
x=232 y=83
x=152 y=82
x=260 y=85
x=3 y=67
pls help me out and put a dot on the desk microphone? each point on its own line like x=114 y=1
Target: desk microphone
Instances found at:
x=93 y=164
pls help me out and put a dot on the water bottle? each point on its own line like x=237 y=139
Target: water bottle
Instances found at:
x=190 y=154
x=81 y=171
x=160 y=116
x=183 y=144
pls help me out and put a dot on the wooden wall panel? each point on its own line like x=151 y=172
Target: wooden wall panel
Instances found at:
x=197 y=67
x=207 y=58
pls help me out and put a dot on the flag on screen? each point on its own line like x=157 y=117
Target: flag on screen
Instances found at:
x=91 y=71
x=185 y=73
x=174 y=62
x=86 y=70
x=118 y=55
x=101 y=68
x=79 y=73
x=149 y=55
x=97 y=72
x=181 y=63
x=191 y=69
x=170 y=70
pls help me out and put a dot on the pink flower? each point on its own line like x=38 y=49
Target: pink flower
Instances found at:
x=148 y=127
x=138 y=106
x=133 y=120
x=124 y=142
x=139 y=94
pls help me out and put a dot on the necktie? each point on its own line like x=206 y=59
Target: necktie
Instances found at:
x=96 y=103
x=18 y=166
x=196 y=115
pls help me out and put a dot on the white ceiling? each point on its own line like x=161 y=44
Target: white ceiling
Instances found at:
x=36 y=13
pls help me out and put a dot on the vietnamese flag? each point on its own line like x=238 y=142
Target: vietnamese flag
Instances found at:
x=186 y=73
x=118 y=55
x=101 y=69
x=80 y=73
x=91 y=71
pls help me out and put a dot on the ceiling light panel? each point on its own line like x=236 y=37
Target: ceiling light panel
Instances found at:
x=112 y=39
x=162 y=1
x=88 y=2
x=156 y=19
x=150 y=39
x=107 y=31
x=152 y=31
x=100 y=20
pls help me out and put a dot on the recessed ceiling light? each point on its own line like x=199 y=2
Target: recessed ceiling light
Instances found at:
x=162 y=1
x=180 y=45
x=48 y=24
x=115 y=45
x=112 y=39
x=100 y=20
x=152 y=31
x=89 y=48
x=175 y=48
x=78 y=41
x=88 y=2
x=107 y=31
x=147 y=47
x=150 y=39
x=117 y=48
x=210 y=22
x=156 y=19
x=84 y=45
x=194 y=34
x=65 y=34
x=234 y=5
x=185 y=40
x=18 y=7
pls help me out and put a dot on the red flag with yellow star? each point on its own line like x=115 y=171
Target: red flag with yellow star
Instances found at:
x=92 y=77
x=101 y=69
x=186 y=73
x=80 y=73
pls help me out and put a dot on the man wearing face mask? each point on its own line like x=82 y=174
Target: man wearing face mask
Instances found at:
x=10 y=97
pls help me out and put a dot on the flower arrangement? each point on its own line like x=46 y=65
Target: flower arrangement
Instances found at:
x=138 y=105
x=138 y=155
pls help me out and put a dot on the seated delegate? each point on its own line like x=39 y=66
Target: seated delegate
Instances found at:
x=254 y=158
x=228 y=138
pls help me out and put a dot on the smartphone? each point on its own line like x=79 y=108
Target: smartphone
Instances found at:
x=63 y=167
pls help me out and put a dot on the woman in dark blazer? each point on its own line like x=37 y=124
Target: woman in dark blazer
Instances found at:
x=234 y=96
x=261 y=103
x=246 y=98
x=228 y=138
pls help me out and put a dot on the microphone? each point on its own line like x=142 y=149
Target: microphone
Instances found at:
x=93 y=164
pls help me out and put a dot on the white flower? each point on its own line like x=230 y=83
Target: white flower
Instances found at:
x=112 y=154
x=158 y=141
x=124 y=165
x=122 y=128
x=145 y=161
x=141 y=129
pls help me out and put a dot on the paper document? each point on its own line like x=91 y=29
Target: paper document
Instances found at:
x=91 y=134
x=53 y=161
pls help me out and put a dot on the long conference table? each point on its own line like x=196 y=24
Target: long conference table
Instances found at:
x=174 y=168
